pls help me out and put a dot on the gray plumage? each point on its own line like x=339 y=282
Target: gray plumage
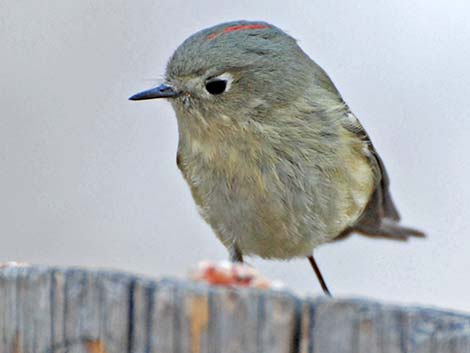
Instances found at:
x=276 y=162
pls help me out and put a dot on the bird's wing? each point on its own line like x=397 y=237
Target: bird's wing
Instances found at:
x=380 y=217
x=380 y=204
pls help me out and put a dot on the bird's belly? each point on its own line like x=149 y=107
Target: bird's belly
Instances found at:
x=272 y=206
x=259 y=215
x=261 y=226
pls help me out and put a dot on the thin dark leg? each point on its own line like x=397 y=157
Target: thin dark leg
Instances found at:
x=319 y=276
x=235 y=254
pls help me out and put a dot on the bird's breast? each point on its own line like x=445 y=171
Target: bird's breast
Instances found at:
x=223 y=168
x=249 y=197
x=276 y=194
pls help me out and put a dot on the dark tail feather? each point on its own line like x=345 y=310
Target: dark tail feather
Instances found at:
x=383 y=193
x=390 y=230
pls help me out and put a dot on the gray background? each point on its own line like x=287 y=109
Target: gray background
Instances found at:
x=89 y=178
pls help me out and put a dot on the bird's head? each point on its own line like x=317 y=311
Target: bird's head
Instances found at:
x=234 y=72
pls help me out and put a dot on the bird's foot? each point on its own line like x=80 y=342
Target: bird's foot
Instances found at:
x=228 y=274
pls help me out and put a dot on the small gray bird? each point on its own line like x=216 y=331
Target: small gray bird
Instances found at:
x=276 y=161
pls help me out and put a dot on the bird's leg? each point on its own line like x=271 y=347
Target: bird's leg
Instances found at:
x=235 y=254
x=319 y=275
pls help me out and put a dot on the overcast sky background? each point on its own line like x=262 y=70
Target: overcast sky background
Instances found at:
x=89 y=178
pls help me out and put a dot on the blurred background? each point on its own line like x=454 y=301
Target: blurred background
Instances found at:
x=89 y=178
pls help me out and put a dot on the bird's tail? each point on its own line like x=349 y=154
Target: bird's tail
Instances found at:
x=388 y=229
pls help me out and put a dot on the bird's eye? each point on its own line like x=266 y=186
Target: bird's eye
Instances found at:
x=216 y=86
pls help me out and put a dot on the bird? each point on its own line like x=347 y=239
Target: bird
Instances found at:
x=276 y=161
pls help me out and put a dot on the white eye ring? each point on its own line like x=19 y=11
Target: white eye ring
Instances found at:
x=219 y=84
x=226 y=76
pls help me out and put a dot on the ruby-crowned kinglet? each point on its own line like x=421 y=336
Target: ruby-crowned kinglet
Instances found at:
x=275 y=160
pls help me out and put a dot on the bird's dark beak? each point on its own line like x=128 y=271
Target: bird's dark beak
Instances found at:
x=162 y=91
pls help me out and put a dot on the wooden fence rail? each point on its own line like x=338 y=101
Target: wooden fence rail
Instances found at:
x=57 y=310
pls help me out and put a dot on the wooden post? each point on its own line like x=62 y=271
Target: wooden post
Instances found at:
x=56 y=310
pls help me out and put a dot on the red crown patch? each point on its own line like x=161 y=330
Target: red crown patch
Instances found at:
x=236 y=28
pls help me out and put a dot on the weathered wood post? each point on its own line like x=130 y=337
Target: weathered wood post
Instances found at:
x=55 y=310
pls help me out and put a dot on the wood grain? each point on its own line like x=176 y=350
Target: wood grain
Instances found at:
x=74 y=310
